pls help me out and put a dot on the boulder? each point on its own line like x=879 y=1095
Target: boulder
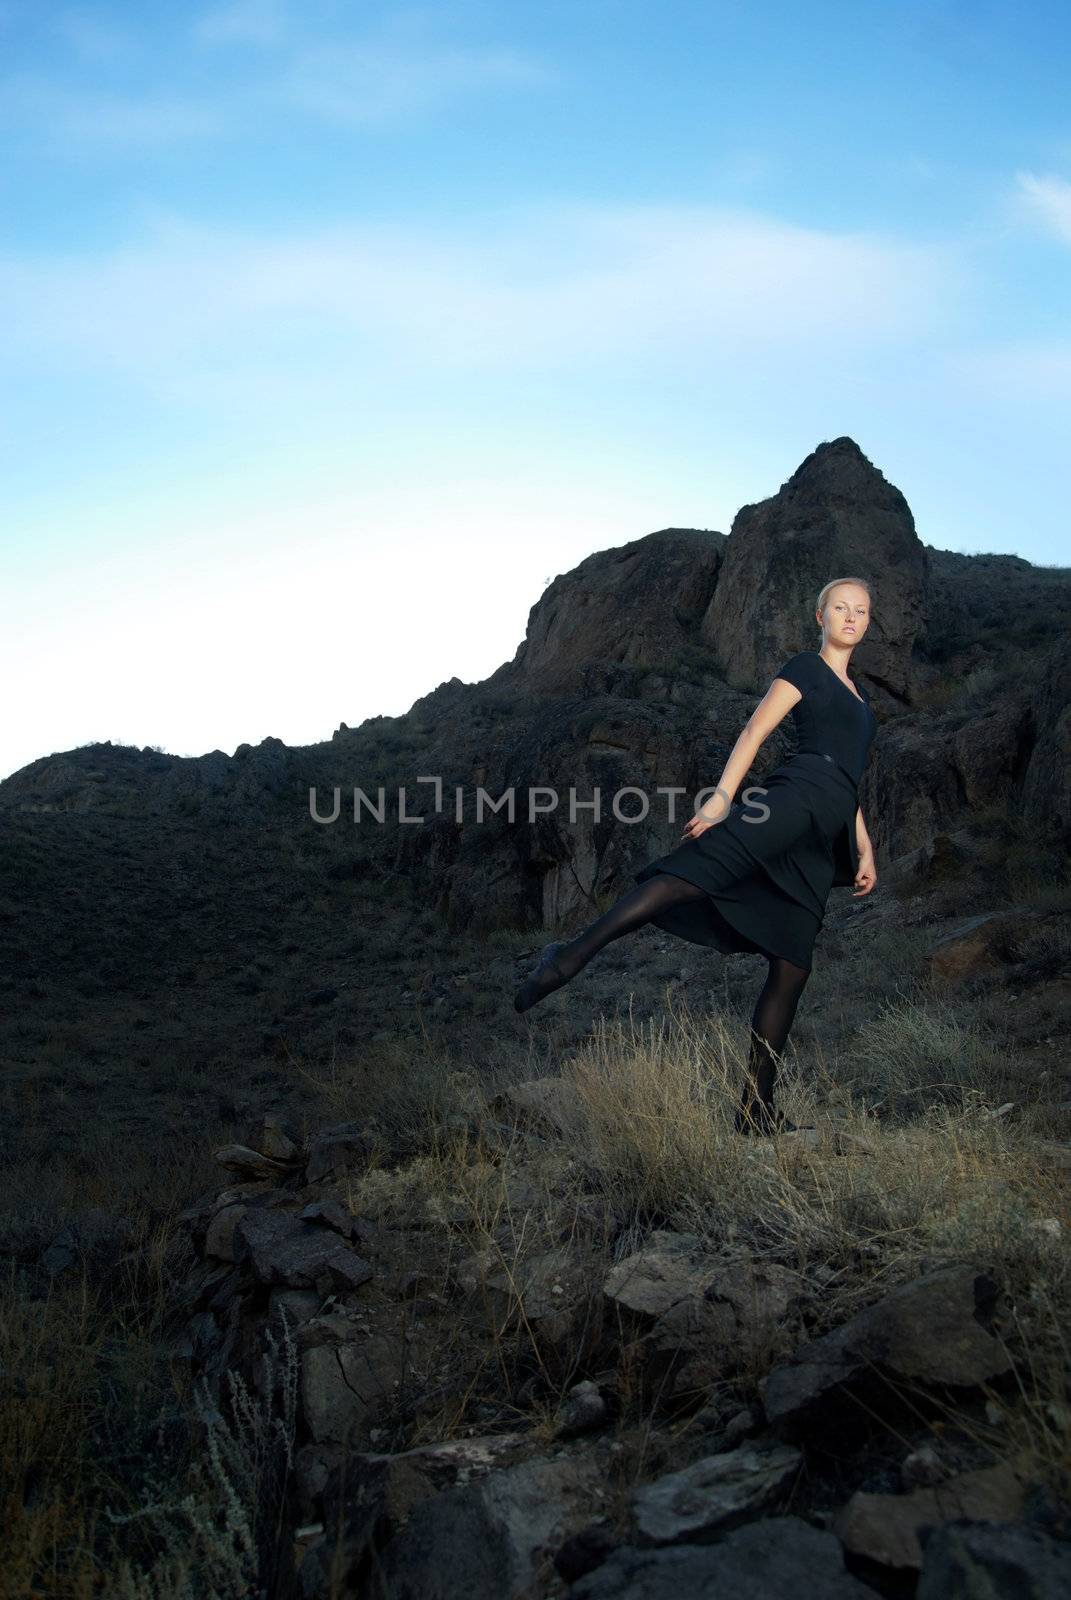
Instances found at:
x=359 y=1497
x=741 y=1305
x=945 y=856
x=1046 y=786
x=290 y=1308
x=548 y=1291
x=922 y=1468
x=197 y=1340
x=284 y=1249
x=886 y=1527
x=337 y=1150
x=772 y=1558
x=986 y=1561
x=931 y=1329
x=273 y=1138
x=989 y=753
x=703 y=1315
x=584 y=1551
x=409 y=1476
x=711 y=1495
x=315 y=1465
x=584 y=1410
x=327 y=1568
x=980 y=944
x=251 y=1192
x=219 y=1236
x=335 y=1215
x=252 y=1164
x=669 y=1268
x=345 y=1386
x=492 y=1540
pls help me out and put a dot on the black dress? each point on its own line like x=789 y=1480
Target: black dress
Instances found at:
x=769 y=865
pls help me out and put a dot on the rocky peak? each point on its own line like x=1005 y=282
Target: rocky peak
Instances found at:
x=638 y=604
x=839 y=468
x=837 y=515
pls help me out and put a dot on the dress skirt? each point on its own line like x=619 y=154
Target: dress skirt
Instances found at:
x=769 y=865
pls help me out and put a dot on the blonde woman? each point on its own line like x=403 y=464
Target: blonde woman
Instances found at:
x=755 y=875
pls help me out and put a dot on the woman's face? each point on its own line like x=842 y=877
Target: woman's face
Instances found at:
x=845 y=616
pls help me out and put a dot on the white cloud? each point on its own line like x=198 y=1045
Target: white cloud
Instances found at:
x=91 y=37
x=538 y=288
x=258 y=22
x=345 y=82
x=1049 y=200
x=83 y=120
x=372 y=82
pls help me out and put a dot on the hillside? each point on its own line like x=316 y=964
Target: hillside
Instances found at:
x=185 y=952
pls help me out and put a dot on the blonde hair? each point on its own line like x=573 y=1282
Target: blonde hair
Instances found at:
x=823 y=593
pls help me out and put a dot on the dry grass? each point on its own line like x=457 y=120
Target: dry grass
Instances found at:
x=87 y=1405
x=658 y=1140
x=916 y=1054
x=89 y=1402
x=906 y=1166
x=856 y=1206
x=105 y=1491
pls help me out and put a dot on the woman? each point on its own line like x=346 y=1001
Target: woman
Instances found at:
x=756 y=876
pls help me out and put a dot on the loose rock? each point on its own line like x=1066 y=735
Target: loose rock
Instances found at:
x=980 y=1561
x=930 y=1329
x=284 y=1249
x=776 y=1558
x=886 y=1527
x=712 y=1494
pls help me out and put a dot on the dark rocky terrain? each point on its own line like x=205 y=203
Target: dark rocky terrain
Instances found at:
x=195 y=972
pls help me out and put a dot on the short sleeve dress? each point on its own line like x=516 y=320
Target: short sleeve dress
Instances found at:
x=769 y=864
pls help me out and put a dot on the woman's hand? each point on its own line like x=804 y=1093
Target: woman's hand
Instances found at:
x=718 y=810
x=867 y=876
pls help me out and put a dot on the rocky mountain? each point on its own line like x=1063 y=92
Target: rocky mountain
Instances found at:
x=496 y=1306
x=188 y=901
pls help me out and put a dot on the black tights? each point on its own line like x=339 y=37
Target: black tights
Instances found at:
x=775 y=1009
x=634 y=908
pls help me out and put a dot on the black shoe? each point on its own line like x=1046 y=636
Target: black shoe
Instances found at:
x=764 y=1120
x=543 y=980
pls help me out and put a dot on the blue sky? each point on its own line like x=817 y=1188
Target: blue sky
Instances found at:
x=332 y=331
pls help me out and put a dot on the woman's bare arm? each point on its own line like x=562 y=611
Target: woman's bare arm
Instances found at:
x=867 y=876
x=773 y=708
x=862 y=837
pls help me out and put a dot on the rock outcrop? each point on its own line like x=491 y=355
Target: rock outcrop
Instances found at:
x=837 y=516
x=638 y=605
x=933 y=1330
x=523 y=1512
x=637 y=672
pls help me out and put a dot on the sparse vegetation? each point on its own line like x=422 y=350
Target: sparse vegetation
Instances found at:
x=866 y=1203
x=220 y=1539
x=908 y=1166
x=165 y=976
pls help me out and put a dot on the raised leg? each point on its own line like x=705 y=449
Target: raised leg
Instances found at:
x=771 y=1023
x=562 y=961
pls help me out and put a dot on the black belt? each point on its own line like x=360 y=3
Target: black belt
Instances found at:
x=832 y=759
x=833 y=762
